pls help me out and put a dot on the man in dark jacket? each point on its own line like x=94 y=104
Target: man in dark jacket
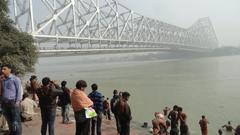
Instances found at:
x=65 y=101
x=97 y=99
x=123 y=112
x=113 y=103
x=47 y=95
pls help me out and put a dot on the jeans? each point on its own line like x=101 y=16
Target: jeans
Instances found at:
x=48 y=120
x=11 y=112
x=65 y=113
x=125 y=127
x=97 y=121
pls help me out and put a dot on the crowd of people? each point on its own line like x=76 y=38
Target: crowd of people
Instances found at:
x=168 y=123
x=18 y=106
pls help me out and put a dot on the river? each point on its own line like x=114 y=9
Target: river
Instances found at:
x=208 y=86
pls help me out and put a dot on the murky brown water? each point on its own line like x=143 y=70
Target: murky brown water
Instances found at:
x=208 y=86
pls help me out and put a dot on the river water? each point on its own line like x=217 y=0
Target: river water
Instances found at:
x=208 y=86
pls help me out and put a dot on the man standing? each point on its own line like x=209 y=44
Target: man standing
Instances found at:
x=3 y=121
x=113 y=103
x=203 y=124
x=65 y=101
x=183 y=122
x=97 y=99
x=173 y=117
x=47 y=95
x=11 y=98
x=123 y=112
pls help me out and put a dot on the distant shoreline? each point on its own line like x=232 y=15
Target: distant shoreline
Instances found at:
x=185 y=53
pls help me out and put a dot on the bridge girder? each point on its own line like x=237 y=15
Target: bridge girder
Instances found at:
x=104 y=22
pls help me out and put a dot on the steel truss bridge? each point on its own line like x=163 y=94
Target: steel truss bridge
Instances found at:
x=96 y=24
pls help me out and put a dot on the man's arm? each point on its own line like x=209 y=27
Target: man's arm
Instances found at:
x=19 y=89
x=128 y=112
x=56 y=90
x=169 y=116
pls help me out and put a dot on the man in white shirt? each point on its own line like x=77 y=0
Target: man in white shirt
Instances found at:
x=27 y=108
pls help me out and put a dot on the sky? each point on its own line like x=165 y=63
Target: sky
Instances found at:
x=224 y=14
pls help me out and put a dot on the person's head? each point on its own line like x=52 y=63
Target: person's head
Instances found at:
x=175 y=107
x=180 y=109
x=125 y=96
x=6 y=69
x=115 y=92
x=220 y=131
x=25 y=95
x=94 y=87
x=33 y=77
x=63 y=83
x=46 y=81
x=237 y=131
x=81 y=84
x=203 y=117
x=158 y=115
x=184 y=116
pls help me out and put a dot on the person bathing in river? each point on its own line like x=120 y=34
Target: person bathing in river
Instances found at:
x=229 y=128
x=183 y=122
x=203 y=125
x=173 y=117
x=159 y=124
x=166 y=111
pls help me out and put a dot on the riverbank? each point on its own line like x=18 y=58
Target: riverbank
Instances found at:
x=33 y=127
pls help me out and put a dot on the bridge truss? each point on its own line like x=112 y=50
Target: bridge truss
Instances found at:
x=93 y=24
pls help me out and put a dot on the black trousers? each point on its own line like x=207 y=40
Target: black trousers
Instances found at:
x=82 y=124
x=83 y=128
x=97 y=122
x=117 y=123
x=124 y=127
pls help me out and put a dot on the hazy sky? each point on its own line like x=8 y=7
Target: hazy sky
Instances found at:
x=224 y=14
